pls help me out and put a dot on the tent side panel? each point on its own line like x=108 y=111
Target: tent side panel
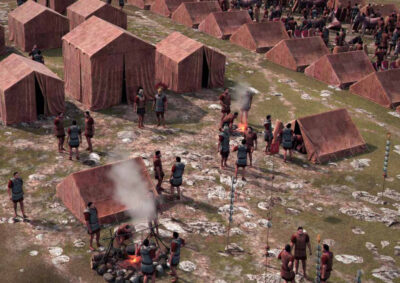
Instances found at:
x=16 y=32
x=112 y=15
x=322 y=70
x=210 y=26
x=166 y=71
x=281 y=55
x=182 y=16
x=243 y=38
x=161 y=8
x=216 y=67
x=53 y=92
x=72 y=71
x=190 y=72
x=2 y=40
x=371 y=88
x=75 y=19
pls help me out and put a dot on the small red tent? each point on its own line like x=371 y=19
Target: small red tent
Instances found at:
x=224 y=24
x=95 y=185
x=297 y=54
x=380 y=87
x=166 y=7
x=185 y=65
x=341 y=69
x=80 y=11
x=28 y=89
x=191 y=14
x=104 y=64
x=260 y=37
x=33 y=24
x=60 y=6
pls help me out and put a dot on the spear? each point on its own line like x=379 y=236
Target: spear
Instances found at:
x=318 y=260
x=386 y=161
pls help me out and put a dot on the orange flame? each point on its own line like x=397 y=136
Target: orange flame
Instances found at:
x=242 y=127
x=134 y=259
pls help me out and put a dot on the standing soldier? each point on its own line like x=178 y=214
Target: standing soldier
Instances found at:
x=139 y=106
x=245 y=106
x=59 y=131
x=16 y=193
x=225 y=102
x=147 y=261
x=158 y=171
x=223 y=146
x=92 y=224
x=228 y=121
x=176 y=245
x=176 y=179
x=268 y=136
x=301 y=241
x=241 y=159
x=74 y=139
x=89 y=130
x=251 y=143
x=286 y=136
x=287 y=259
x=326 y=263
x=160 y=106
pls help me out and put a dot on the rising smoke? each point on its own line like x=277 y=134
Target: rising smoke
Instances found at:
x=131 y=190
x=238 y=94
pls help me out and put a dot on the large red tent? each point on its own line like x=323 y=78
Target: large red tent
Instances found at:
x=185 y=65
x=260 y=37
x=341 y=69
x=95 y=185
x=380 y=87
x=104 y=64
x=297 y=54
x=28 y=89
x=80 y=11
x=223 y=24
x=33 y=24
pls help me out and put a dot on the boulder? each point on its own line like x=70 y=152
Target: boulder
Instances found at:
x=101 y=269
x=348 y=259
x=187 y=266
x=108 y=277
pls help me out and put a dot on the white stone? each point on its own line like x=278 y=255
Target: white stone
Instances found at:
x=33 y=253
x=365 y=196
x=276 y=93
x=384 y=244
x=78 y=243
x=187 y=266
x=218 y=193
x=214 y=107
x=233 y=247
x=126 y=140
x=263 y=205
x=264 y=223
x=39 y=237
x=60 y=259
x=95 y=157
x=236 y=231
x=358 y=231
x=348 y=259
x=386 y=273
x=294 y=185
x=125 y=135
x=249 y=225
x=36 y=177
x=360 y=164
x=306 y=96
x=395 y=114
x=55 y=251
x=172 y=226
x=189 y=182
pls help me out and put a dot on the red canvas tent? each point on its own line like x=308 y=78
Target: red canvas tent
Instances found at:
x=166 y=7
x=2 y=40
x=296 y=54
x=191 y=14
x=341 y=69
x=185 y=65
x=383 y=9
x=142 y=4
x=330 y=135
x=334 y=4
x=224 y=24
x=104 y=64
x=80 y=11
x=28 y=89
x=260 y=37
x=95 y=185
x=380 y=87
x=32 y=23
x=59 y=6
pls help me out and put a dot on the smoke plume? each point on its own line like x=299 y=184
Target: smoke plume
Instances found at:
x=131 y=190
x=238 y=94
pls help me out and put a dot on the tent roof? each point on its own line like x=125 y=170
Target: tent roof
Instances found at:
x=178 y=47
x=198 y=10
x=231 y=21
x=28 y=11
x=306 y=50
x=330 y=135
x=390 y=82
x=94 y=34
x=267 y=33
x=16 y=67
x=86 y=7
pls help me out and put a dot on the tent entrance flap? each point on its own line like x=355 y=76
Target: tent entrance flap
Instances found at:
x=39 y=98
x=206 y=72
x=124 y=96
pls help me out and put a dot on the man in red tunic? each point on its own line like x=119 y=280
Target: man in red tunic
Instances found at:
x=225 y=102
x=59 y=131
x=326 y=263
x=287 y=259
x=124 y=233
x=89 y=130
x=158 y=170
x=251 y=143
x=300 y=241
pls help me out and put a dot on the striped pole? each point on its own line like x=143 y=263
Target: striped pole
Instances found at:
x=386 y=161
x=318 y=260
x=358 y=277
x=231 y=210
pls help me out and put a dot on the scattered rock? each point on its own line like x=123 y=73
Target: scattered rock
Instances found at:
x=392 y=194
x=349 y=179
x=187 y=266
x=206 y=228
x=227 y=180
x=265 y=277
x=358 y=231
x=33 y=253
x=108 y=277
x=397 y=250
x=36 y=177
x=384 y=244
x=79 y=243
x=365 y=196
x=386 y=273
x=263 y=205
x=274 y=93
x=306 y=96
x=39 y=237
x=172 y=226
x=389 y=216
x=265 y=223
x=160 y=270
x=371 y=247
x=60 y=259
x=294 y=185
x=395 y=114
x=274 y=252
x=348 y=259
x=214 y=107
x=292 y=211
x=249 y=225
x=360 y=164
x=55 y=251
x=234 y=248
x=325 y=93
x=218 y=193
x=236 y=231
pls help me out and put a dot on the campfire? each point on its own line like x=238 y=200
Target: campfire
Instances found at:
x=242 y=127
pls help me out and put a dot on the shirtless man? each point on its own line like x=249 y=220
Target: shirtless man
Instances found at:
x=158 y=171
x=89 y=130
x=326 y=263
x=287 y=259
x=251 y=143
x=225 y=102
x=59 y=131
x=300 y=240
